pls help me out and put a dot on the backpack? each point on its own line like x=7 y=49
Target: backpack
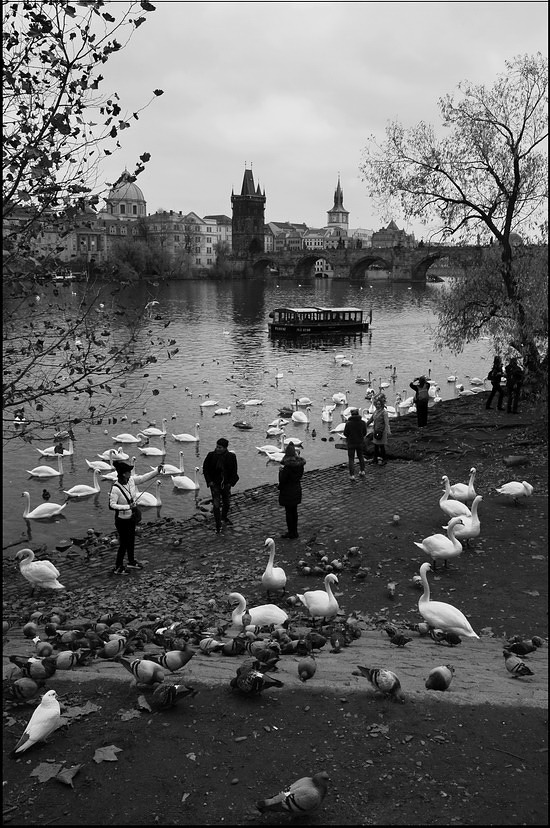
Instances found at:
x=423 y=394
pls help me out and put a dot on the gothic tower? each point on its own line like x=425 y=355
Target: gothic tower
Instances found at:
x=338 y=217
x=248 y=220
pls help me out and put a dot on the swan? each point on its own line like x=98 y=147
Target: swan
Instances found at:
x=300 y=417
x=477 y=381
x=188 y=438
x=252 y=402
x=339 y=398
x=82 y=490
x=220 y=411
x=452 y=378
x=260 y=616
x=280 y=421
x=149 y=499
x=51 y=452
x=295 y=440
x=345 y=362
x=382 y=384
x=269 y=448
x=126 y=438
x=442 y=547
x=47 y=471
x=338 y=429
x=273 y=431
x=321 y=603
x=184 y=482
x=470 y=525
x=304 y=401
x=45 y=510
x=463 y=491
x=452 y=508
x=274 y=577
x=515 y=489
x=208 y=403
x=113 y=475
x=114 y=454
x=338 y=356
x=152 y=451
x=153 y=431
x=38 y=573
x=326 y=414
x=440 y=615
x=169 y=468
x=102 y=465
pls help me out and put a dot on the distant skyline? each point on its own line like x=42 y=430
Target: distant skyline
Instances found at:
x=294 y=90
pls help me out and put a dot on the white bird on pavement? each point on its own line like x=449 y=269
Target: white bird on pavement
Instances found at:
x=469 y=527
x=442 y=547
x=440 y=614
x=38 y=573
x=464 y=491
x=274 y=577
x=452 y=508
x=301 y=797
x=514 y=489
x=45 y=719
x=321 y=603
x=260 y=616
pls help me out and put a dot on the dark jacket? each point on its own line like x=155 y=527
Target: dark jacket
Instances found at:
x=421 y=392
x=290 y=474
x=514 y=376
x=495 y=374
x=220 y=468
x=355 y=430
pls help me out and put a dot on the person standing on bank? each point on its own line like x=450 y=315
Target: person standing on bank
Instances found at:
x=495 y=375
x=514 y=382
x=290 y=489
x=355 y=432
x=422 y=397
x=381 y=429
x=220 y=472
x=123 y=499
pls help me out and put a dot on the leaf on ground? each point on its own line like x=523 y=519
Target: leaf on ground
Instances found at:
x=129 y=714
x=107 y=754
x=143 y=704
x=45 y=771
x=66 y=776
x=533 y=592
x=84 y=710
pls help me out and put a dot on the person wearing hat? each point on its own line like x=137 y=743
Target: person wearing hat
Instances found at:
x=123 y=497
x=514 y=382
x=290 y=489
x=220 y=472
x=355 y=432
x=421 y=399
x=381 y=429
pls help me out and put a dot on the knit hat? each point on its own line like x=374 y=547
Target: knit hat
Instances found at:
x=222 y=442
x=354 y=411
x=121 y=467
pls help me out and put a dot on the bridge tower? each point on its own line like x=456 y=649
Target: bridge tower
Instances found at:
x=247 y=225
x=338 y=216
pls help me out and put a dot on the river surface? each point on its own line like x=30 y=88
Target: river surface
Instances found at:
x=225 y=354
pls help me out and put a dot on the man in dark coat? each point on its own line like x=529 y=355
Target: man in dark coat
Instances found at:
x=220 y=472
x=355 y=432
x=290 y=488
x=514 y=382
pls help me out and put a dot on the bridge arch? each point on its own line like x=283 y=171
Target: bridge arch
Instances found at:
x=358 y=269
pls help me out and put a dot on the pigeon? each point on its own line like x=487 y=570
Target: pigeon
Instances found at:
x=302 y=797
x=444 y=637
x=522 y=648
x=23 y=689
x=35 y=668
x=440 y=677
x=400 y=640
x=515 y=665
x=250 y=681
x=45 y=719
x=173 y=659
x=390 y=630
x=384 y=681
x=421 y=628
x=115 y=647
x=306 y=668
x=390 y=587
x=67 y=659
x=145 y=671
x=166 y=696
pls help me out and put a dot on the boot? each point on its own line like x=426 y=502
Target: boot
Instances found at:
x=217 y=518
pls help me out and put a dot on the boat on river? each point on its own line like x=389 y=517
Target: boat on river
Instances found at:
x=317 y=320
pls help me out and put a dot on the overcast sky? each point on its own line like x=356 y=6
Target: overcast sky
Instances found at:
x=296 y=89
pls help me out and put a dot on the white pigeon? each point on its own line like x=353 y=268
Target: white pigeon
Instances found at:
x=302 y=797
x=45 y=719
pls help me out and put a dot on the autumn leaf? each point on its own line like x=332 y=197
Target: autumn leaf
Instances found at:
x=45 y=771
x=129 y=714
x=107 y=754
x=66 y=776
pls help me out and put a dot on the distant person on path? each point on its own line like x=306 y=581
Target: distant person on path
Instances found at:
x=123 y=497
x=514 y=382
x=422 y=397
x=290 y=489
x=355 y=432
x=381 y=429
x=220 y=472
x=495 y=375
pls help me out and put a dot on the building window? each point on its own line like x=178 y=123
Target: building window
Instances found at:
x=134 y=209
x=208 y=239
x=209 y=250
x=122 y=231
x=209 y=261
x=112 y=230
x=122 y=209
x=176 y=238
x=198 y=260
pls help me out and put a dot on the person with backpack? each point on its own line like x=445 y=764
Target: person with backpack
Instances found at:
x=355 y=432
x=495 y=376
x=514 y=382
x=422 y=397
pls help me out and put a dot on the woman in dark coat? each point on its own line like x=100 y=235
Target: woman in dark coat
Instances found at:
x=495 y=375
x=290 y=488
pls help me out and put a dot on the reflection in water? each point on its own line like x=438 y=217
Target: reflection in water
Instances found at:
x=226 y=353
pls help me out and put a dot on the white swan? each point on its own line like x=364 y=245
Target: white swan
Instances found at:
x=260 y=616
x=47 y=471
x=339 y=429
x=471 y=526
x=295 y=440
x=51 y=452
x=304 y=401
x=149 y=499
x=515 y=489
x=169 y=468
x=326 y=414
x=114 y=454
x=126 y=438
x=382 y=384
x=208 y=403
x=273 y=431
x=82 y=490
x=452 y=508
x=274 y=577
x=440 y=615
x=45 y=510
x=345 y=362
x=442 y=547
x=38 y=573
x=188 y=438
x=462 y=491
x=102 y=465
x=221 y=411
x=151 y=451
x=251 y=402
x=477 y=381
x=153 y=431
x=321 y=603
x=340 y=398
x=270 y=448
x=300 y=417
x=184 y=482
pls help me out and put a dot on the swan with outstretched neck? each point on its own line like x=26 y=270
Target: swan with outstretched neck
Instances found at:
x=441 y=615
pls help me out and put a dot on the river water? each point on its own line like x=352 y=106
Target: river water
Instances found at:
x=226 y=354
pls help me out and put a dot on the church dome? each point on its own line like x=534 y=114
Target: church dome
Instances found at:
x=126 y=199
x=126 y=190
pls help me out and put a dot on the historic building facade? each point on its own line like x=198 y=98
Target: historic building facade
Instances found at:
x=248 y=221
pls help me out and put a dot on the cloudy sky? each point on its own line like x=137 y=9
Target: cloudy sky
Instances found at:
x=295 y=89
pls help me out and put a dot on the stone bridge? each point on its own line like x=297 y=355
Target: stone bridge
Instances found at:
x=403 y=264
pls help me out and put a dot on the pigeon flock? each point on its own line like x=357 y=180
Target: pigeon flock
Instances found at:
x=259 y=636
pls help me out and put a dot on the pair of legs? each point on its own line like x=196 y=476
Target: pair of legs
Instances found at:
x=513 y=400
x=379 y=452
x=352 y=451
x=127 y=535
x=496 y=389
x=221 y=498
x=291 y=514
x=422 y=414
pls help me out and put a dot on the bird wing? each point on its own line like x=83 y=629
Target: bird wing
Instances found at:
x=43 y=721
